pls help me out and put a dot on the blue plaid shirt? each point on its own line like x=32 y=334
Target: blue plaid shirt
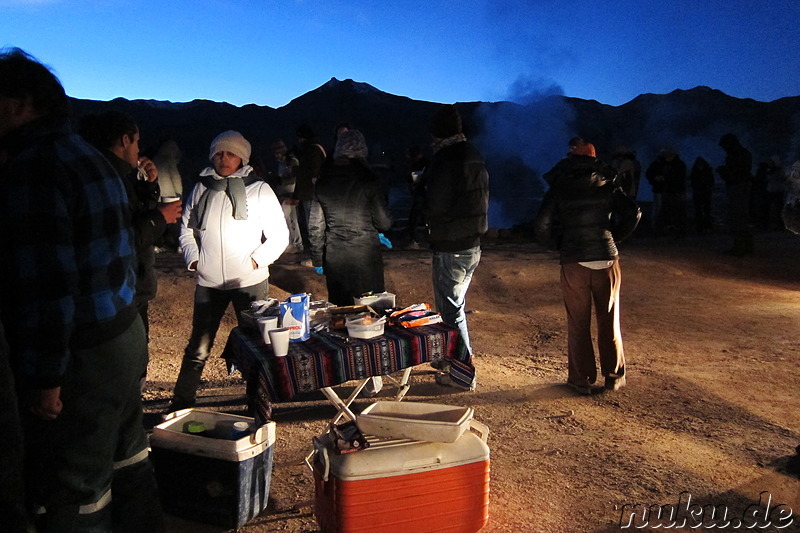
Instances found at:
x=68 y=262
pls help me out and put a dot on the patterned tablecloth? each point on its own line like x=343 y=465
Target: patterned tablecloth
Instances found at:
x=326 y=360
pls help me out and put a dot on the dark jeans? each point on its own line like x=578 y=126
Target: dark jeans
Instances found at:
x=89 y=469
x=209 y=307
x=452 y=273
x=12 y=500
x=739 y=218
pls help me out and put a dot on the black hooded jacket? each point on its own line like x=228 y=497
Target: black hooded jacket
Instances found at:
x=456 y=198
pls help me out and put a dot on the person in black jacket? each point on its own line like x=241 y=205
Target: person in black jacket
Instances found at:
x=738 y=177
x=76 y=343
x=116 y=135
x=583 y=216
x=667 y=176
x=456 y=209
x=702 y=180
x=356 y=213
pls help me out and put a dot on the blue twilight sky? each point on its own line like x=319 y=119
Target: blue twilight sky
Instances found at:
x=269 y=52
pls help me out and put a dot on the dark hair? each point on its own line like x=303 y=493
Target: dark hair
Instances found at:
x=23 y=77
x=446 y=122
x=104 y=130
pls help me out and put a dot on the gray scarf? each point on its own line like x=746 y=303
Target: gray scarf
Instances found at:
x=233 y=186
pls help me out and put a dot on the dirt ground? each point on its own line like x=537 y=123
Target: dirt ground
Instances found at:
x=710 y=410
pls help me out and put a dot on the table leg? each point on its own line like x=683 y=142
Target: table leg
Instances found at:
x=402 y=384
x=343 y=406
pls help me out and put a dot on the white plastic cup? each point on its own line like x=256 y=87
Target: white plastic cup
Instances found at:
x=280 y=341
x=169 y=199
x=266 y=323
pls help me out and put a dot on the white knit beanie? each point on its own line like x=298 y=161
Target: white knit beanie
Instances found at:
x=233 y=142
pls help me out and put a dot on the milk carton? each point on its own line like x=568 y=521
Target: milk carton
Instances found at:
x=294 y=316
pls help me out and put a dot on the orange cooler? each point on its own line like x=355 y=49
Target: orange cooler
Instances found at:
x=404 y=486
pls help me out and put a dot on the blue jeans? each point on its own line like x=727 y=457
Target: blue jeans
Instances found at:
x=314 y=220
x=452 y=273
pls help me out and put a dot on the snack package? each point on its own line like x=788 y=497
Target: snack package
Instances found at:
x=294 y=316
x=415 y=315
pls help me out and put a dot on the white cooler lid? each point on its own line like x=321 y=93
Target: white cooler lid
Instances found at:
x=170 y=435
x=392 y=457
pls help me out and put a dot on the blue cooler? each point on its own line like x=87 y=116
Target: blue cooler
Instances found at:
x=215 y=476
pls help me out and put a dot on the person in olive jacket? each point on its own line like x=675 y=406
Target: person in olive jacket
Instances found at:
x=356 y=212
x=584 y=216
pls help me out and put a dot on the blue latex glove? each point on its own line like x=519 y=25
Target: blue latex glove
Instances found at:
x=318 y=270
x=384 y=241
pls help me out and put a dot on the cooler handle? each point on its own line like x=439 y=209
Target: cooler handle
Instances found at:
x=258 y=436
x=322 y=456
x=480 y=428
x=176 y=414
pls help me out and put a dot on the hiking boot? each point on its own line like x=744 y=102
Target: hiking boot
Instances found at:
x=580 y=388
x=615 y=381
x=443 y=378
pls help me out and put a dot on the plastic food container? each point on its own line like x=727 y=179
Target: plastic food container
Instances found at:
x=365 y=327
x=381 y=300
x=412 y=420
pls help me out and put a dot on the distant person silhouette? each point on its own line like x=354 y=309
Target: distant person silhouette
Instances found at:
x=285 y=178
x=702 y=179
x=310 y=155
x=667 y=177
x=736 y=172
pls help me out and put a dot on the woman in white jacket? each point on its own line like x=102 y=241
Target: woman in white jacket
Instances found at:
x=233 y=228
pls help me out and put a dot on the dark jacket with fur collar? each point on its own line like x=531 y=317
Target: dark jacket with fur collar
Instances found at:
x=584 y=215
x=456 y=198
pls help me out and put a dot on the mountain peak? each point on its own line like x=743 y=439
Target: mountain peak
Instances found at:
x=357 y=86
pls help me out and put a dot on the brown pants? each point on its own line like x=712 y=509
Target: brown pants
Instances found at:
x=581 y=286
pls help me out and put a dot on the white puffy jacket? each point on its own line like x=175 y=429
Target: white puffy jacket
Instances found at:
x=224 y=250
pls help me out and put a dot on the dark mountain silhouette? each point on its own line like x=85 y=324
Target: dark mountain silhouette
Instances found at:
x=520 y=142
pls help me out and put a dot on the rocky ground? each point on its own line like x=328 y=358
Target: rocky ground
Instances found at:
x=710 y=411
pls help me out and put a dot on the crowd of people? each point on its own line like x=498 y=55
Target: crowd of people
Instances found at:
x=84 y=213
x=754 y=199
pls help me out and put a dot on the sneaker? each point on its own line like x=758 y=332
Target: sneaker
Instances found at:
x=443 y=378
x=440 y=364
x=172 y=407
x=580 y=388
x=413 y=245
x=615 y=381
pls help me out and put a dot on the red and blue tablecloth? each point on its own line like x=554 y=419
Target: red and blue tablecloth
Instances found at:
x=329 y=359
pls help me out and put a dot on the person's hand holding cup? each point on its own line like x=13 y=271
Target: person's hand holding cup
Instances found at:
x=170 y=207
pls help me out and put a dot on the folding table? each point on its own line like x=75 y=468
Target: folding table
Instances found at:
x=330 y=359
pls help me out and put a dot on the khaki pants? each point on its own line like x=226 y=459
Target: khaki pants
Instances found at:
x=582 y=286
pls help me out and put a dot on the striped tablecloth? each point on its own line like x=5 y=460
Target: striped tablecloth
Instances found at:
x=327 y=360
